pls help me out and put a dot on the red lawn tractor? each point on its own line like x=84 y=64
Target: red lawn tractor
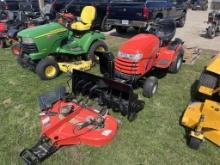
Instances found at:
x=136 y=60
x=143 y=53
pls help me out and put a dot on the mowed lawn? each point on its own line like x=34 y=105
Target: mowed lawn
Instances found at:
x=155 y=137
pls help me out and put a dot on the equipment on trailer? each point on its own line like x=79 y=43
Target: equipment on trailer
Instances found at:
x=43 y=47
x=203 y=118
x=214 y=20
x=199 y=4
x=65 y=122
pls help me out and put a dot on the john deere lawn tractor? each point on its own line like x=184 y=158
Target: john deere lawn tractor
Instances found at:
x=203 y=118
x=47 y=48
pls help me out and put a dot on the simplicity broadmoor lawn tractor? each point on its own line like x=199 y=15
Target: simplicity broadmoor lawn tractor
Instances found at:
x=136 y=60
x=46 y=48
x=203 y=118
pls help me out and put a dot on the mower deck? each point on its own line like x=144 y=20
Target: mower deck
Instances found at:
x=65 y=122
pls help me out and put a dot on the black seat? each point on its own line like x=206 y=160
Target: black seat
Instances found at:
x=166 y=30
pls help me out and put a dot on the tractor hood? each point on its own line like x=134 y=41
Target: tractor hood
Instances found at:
x=139 y=44
x=41 y=31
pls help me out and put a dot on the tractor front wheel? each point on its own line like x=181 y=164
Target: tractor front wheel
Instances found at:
x=150 y=86
x=176 y=64
x=194 y=143
x=96 y=46
x=47 y=69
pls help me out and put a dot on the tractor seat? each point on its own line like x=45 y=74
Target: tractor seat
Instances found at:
x=87 y=17
x=167 y=30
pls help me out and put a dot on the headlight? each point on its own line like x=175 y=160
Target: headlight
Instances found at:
x=27 y=40
x=133 y=57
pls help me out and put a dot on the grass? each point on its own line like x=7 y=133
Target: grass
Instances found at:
x=155 y=137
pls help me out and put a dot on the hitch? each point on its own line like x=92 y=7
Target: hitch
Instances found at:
x=111 y=93
x=39 y=152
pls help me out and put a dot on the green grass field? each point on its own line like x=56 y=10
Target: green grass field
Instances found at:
x=155 y=137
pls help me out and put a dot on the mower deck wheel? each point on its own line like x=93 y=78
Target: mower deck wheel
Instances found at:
x=150 y=86
x=194 y=143
x=176 y=64
x=47 y=69
x=96 y=46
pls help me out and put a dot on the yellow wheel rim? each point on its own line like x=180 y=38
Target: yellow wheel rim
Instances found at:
x=50 y=71
x=100 y=49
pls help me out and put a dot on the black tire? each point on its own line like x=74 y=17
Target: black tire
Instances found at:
x=211 y=33
x=181 y=22
x=105 y=27
x=91 y=54
x=177 y=63
x=2 y=44
x=43 y=65
x=150 y=86
x=121 y=30
x=194 y=143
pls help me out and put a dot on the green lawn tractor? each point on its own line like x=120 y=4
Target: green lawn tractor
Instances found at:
x=46 y=49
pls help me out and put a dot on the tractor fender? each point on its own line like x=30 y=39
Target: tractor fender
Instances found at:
x=167 y=56
x=88 y=39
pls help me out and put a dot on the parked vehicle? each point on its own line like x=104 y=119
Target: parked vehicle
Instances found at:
x=13 y=5
x=202 y=117
x=43 y=47
x=138 y=14
x=214 y=20
x=199 y=4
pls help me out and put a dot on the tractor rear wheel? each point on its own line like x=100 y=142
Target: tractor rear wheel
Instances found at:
x=47 y=69
x=177 y=63
x=194 y=143
x=96 y=46
x=150 y=86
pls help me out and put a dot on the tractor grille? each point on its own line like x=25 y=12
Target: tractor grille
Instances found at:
x=127 y=67
x=29 y=48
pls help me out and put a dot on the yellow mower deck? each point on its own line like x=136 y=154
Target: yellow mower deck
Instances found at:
x=204 y=120
x=78 y=65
